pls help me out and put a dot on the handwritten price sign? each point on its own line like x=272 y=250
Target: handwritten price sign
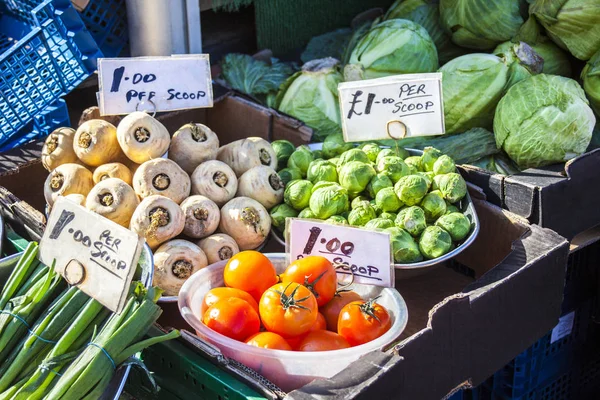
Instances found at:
x=392 y=108
x=91 y=252
x=364 y=254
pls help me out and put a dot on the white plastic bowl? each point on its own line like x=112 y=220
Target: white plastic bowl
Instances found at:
x=287 y=369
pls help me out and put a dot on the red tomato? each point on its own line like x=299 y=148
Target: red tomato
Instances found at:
x=319 y=325
x=251 y=272
x=316 y=273
x=219 y=293
x=232 y=317
x=331 y=310
x=323 y=341
x=288 y=309
x=362 y=321
x=268 y=340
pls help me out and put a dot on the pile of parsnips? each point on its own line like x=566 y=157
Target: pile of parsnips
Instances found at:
x=122 y=174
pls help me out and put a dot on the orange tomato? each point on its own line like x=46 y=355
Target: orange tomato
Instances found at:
x=288 y=309
x=316 y=273
x=219 y=293
x=251 y=272
x=323 y=341
x=319 y=325
x=268 y=340
x=362 y=321
x=232 y=317
x=331 y=310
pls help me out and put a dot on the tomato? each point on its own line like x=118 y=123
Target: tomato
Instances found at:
x=219 y=293
x=322 y=341
x=288 y=309
x=232 y=317
x=331 y=310
x=251 y=272
x=319 y=325
x=316 y=273
x=362 y=321
x=268 y=340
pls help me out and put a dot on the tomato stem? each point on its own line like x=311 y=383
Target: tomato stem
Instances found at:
x=368 y=308
x=311 y=285
x=290 y=301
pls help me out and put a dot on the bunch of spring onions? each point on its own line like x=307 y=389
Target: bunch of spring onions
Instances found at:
x=58 y=343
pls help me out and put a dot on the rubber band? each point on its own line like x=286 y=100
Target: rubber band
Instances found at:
x=32 y=333
x=45 y=368
x=105 y=352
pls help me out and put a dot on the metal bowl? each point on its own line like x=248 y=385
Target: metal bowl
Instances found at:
x=404 y=271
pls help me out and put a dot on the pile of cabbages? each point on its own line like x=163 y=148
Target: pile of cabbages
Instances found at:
x=417 y=199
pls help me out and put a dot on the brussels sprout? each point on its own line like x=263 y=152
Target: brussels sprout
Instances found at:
x=354 y=155
x=279 y=213
x=388 y=201
x=404 y=247
x=388 y=215
x=359 y=216
x=443 y=165
x=434 y=242
x=395 y=152
x=412 y=220
x=498 y=22
x=301 y=159
x=429 y=157
x=289 y=174
x=354 y=176
x=307 y=214
x=377 y=183
x=329 y=200
x=321 y=170
x=376 y=207
x=297 y=194
x=337 y=219
x=311 y=96
x=433 y=205
x=428 y=177
x=371 y=150
x=383 y=50
x=415 y=162
x=456 y=224
x=317 y=154
x=335 y=161
x=379 y=223
x=544 y=120
x=411 y=189
x=393 y=167
x=358 y=200
x=435 y=182
x=591 y=81
x=283 y=150
x=334 y=146
x=451 y=209
x=322 y=184
x=452 y=186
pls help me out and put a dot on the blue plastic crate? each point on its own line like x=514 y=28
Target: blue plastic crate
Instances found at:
x=107 y=22
x=45 y=53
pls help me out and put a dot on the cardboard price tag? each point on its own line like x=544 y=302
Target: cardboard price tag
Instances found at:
x=154 y=84
x=394 y=107
x=364 y=254
x=91 y=252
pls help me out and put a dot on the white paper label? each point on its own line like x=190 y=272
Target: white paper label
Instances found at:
x=394 y=107
x=563 y=328
x=93 y=253
x=365 y=254
x=154 y=84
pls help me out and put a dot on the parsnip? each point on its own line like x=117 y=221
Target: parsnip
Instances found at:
x=142 y=137
x=95 y=143
x=113 y=170
x=157 y=219
x=246 y=221
x=215 y=180
x=263 y=185
x=58 y=149
x=66 y=179
x=163 y=177
x=202 y=216
x=193 y=144
x=174 y=262
x=244 y=154
x=113 y=199
x=218 y=247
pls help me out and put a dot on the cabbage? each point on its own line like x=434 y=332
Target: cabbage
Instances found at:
x=571 y=24
x=393 y=47
x=311 y=96
x=591 y=81
x=544 y=120
x=481 y=24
